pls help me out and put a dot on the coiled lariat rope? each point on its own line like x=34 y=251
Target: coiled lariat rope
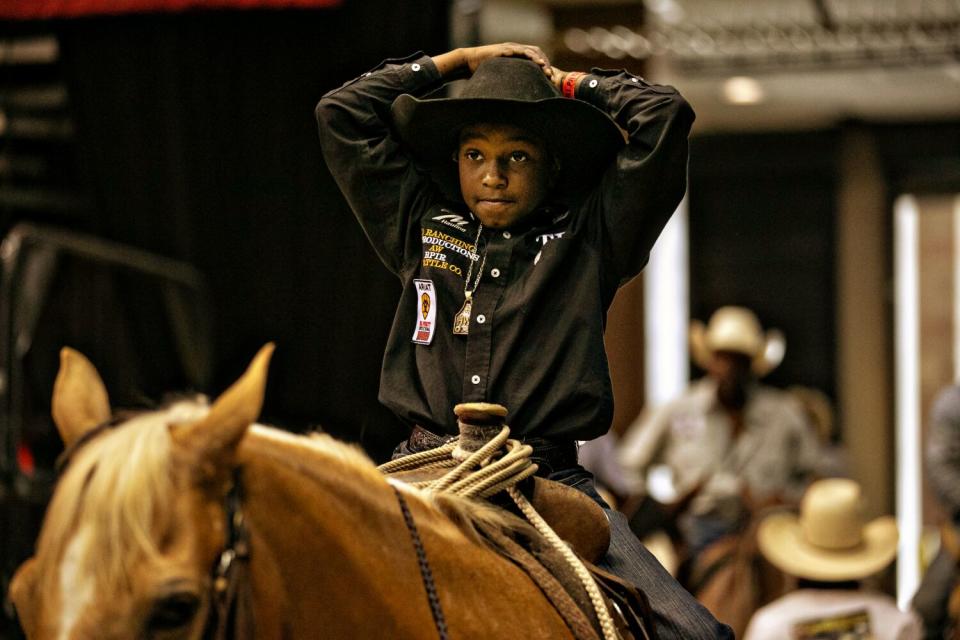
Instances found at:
x=480 y=475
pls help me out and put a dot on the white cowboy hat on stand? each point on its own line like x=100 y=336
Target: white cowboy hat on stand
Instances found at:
x=829 y=541
x=737 y=329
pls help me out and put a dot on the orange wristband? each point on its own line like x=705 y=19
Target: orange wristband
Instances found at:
x=569 y=85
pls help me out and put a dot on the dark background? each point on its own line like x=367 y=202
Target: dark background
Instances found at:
x=194 y=138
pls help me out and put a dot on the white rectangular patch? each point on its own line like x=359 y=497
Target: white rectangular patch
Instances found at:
x=426 y=320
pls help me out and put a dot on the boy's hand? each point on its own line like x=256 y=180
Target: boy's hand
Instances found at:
x=469 y=58
x=556 y=77
x=475 y=55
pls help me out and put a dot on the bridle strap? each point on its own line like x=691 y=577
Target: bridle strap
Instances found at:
x=64 y=458
x=425 y=573
x=231 y=616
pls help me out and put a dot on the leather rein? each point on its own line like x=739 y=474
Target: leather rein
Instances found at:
x=426 y=574
x=231 y=615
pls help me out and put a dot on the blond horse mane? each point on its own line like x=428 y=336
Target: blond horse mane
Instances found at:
x=116 y=486
x=113 y=490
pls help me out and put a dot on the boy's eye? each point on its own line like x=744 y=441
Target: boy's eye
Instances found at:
x=472 y=154
x=519 y=156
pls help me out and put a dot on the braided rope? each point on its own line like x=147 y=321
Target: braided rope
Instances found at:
x=419 y=460
x=429 y=584
x=482 y=475
x=606 y=622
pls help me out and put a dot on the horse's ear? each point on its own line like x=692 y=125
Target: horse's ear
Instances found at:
x=215 y=436
x=80 y=400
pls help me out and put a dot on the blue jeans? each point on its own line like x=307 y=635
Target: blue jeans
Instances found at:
x=677 y=614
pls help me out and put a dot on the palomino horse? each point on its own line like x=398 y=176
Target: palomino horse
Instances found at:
x=138 y=522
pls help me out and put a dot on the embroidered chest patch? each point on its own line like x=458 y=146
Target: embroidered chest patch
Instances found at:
x=446 y=252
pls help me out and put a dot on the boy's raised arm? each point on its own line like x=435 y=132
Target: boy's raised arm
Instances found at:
x=647 y=180
x=374 y=173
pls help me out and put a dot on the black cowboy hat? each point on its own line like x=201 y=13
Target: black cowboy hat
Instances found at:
x=511 y=91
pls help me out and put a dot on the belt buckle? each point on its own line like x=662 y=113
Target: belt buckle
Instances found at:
x=422 y=439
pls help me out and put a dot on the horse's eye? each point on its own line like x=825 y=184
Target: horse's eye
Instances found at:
x=173 y=612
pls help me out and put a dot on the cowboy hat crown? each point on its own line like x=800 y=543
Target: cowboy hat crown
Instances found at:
x=830 y=539
x=510 y=91
x=737 y=329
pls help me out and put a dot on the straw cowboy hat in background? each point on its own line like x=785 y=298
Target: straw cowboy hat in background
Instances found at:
x=829 y=541
x=514 y=91
x=737 y=329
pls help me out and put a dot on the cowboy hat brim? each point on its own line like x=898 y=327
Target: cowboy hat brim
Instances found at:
x=583 y=138
x=781 y=541
x=763 y=362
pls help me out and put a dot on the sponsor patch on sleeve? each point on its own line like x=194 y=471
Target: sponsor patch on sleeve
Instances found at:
x=426 y=320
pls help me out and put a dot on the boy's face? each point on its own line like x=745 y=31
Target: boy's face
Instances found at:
x=505 y=173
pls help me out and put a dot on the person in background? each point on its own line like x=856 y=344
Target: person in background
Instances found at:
x=729 y=442
x=831 y=550
x=937 y=601
x=704 y=464
x=834 y=458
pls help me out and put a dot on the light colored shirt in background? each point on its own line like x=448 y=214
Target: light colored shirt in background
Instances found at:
x=776 y=620
x=690 y=440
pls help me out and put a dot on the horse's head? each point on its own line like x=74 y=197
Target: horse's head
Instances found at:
x=135 y=523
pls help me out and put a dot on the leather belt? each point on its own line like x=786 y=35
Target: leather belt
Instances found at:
x=549 y=455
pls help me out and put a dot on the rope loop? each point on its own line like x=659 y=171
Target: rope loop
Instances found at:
x=499 y=465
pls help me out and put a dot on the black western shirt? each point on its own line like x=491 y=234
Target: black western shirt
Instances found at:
x=535 y=341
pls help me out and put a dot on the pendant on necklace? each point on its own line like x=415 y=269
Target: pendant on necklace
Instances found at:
x=461 y=321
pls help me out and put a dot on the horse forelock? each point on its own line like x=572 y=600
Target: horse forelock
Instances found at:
x=114 y=495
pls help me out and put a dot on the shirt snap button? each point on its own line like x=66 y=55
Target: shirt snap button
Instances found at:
x=594 y=83
x=415 y=66
x=475 y=379
x=481 y=319
x=495 y=272
x=634 y=80
x=507 y=235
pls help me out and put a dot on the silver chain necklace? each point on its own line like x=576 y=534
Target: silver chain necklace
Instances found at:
x=461 y=321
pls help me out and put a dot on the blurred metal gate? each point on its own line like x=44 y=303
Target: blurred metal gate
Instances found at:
x=144 y=320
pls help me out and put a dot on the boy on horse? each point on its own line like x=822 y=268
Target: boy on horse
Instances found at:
x=512 y=213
